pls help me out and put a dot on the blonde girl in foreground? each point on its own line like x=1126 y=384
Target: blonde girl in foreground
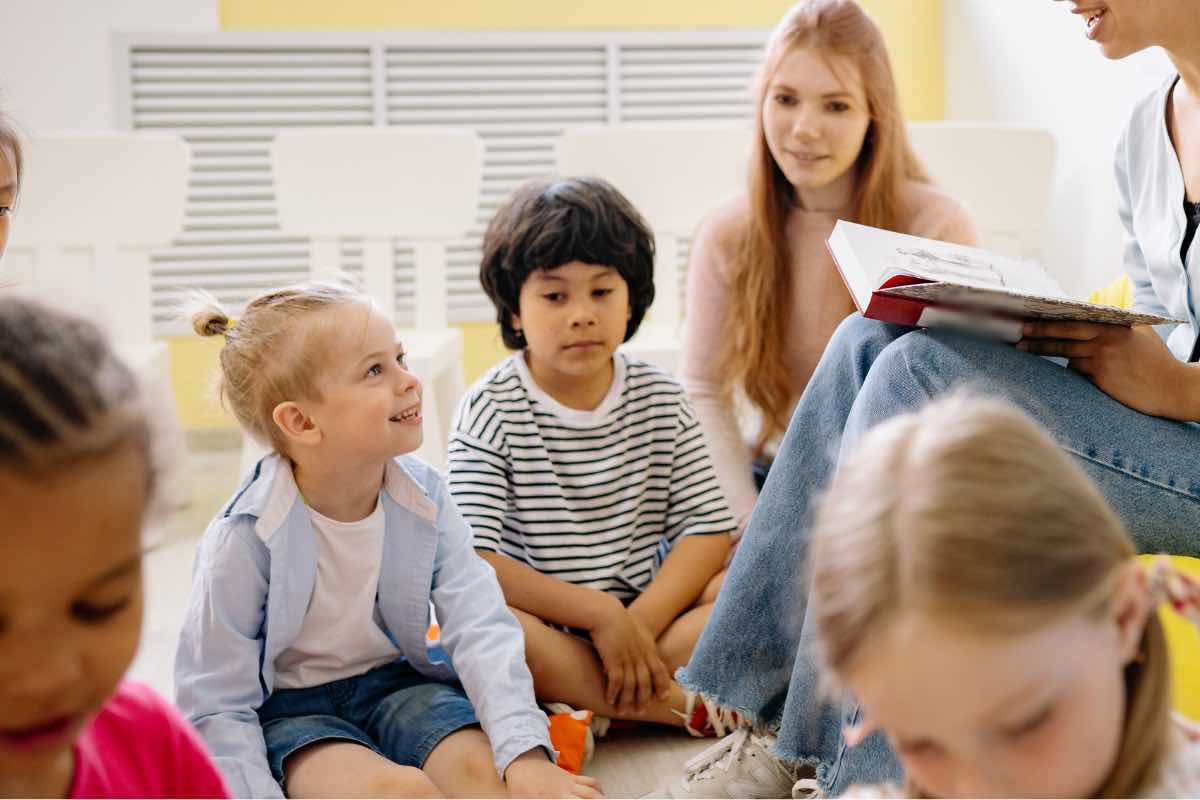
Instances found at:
x=973 y=590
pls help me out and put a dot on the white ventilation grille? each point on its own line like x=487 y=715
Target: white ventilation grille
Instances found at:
x=519 y=99
x=683 y=83
x=228 y=94
x=228 y=103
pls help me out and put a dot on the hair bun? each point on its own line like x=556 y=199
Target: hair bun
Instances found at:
x=210 y=321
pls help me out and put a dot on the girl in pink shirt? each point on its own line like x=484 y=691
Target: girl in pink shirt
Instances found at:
x=75 y=481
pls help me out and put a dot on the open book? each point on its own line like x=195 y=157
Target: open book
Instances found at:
x=909 y=280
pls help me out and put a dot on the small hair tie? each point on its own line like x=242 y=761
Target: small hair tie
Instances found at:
x=229 y=323
x=1178 y=589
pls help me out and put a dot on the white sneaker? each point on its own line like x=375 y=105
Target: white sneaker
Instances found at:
x=740 y=765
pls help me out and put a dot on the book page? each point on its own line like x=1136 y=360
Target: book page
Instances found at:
x=886 y=254
x=859 y=280
x=1006 y=303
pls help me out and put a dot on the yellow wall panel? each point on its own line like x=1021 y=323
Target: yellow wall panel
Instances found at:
x=482 y=348
x=194 y=381
x=913 y=27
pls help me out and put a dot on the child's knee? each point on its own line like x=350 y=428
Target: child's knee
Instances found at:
x=462 y=763
x=395 y=780
x=526 y=619
x=478 y=765
x=711 y=589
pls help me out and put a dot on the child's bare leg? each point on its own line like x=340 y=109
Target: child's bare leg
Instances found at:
x=679 y=639
x=709 y=595
x=461 y=765
x=347 y=769
x=566 y=669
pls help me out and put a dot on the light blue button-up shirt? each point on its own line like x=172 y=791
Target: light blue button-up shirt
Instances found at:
x=1151 y=193
x=254 y=575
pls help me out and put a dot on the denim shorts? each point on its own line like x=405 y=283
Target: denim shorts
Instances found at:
x=393 y=710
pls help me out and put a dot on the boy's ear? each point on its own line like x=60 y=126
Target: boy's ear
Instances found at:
x=1131 y=609
x=295 y=425
x=514 y=319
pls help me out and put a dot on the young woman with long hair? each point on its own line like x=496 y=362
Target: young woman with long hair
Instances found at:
x=763 y=293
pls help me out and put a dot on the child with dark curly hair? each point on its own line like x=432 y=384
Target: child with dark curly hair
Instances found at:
x=583 y=472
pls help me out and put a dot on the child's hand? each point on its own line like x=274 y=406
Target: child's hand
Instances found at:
x=635 y=673
x=532 y=775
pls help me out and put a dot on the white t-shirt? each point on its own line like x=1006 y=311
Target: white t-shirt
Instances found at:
x=595 y=498
x=341 y=635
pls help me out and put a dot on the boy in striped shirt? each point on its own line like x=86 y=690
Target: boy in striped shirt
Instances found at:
x=584 y=473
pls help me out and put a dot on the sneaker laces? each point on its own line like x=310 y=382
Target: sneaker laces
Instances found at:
x=722 y=720
x=722 y=755
x=718 y=756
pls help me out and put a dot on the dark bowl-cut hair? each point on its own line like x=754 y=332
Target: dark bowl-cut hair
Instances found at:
x=545 y=224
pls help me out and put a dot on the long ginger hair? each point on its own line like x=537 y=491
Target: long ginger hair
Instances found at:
x=753 y=356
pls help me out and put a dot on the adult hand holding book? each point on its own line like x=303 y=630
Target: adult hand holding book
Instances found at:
x=1129 y=364
x=909 y=280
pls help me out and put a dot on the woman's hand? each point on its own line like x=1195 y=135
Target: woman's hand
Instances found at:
x=1131 y=365
x=532 y=775
x=634 y=671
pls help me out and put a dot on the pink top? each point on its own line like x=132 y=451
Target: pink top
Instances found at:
x=819 y=301
x=140 y=746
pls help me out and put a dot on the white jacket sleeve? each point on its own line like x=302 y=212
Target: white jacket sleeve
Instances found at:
x=1145 y=299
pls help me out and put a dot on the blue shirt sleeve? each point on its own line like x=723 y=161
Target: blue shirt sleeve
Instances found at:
x=218 y=664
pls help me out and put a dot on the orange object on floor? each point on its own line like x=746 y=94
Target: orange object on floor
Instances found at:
x=572 y=738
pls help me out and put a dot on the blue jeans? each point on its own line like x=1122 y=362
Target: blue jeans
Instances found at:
x=755 y=654
x=393 y=710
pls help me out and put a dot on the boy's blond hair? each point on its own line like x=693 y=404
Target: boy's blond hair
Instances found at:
x=271 y=355
x=967 y=509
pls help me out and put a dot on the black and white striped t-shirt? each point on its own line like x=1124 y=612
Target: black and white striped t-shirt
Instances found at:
x=595 y=498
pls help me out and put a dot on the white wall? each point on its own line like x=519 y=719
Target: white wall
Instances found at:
x=1028 y=61
x=55 y=55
